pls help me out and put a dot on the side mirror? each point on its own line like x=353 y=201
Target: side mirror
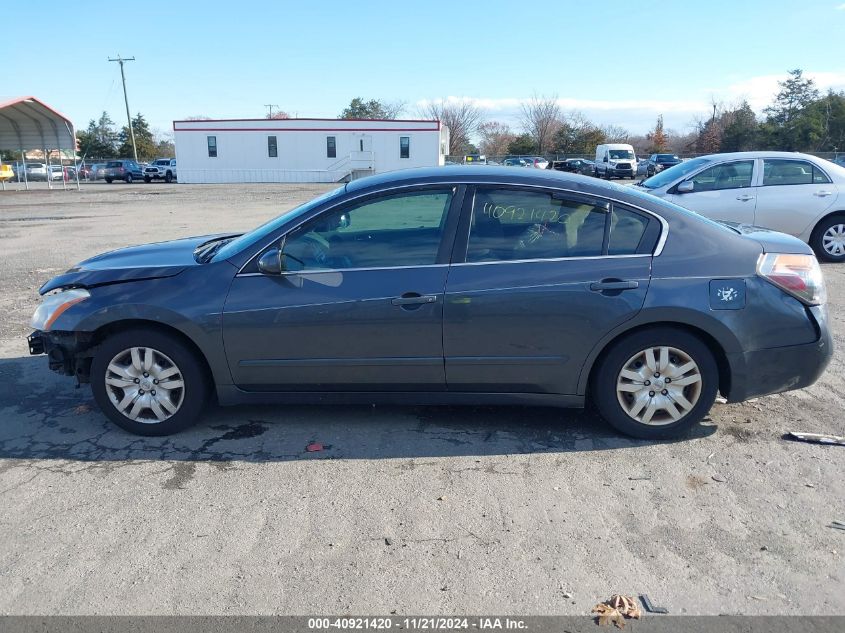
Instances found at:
x=687 y=186
x=605 y=159
x=270 y=263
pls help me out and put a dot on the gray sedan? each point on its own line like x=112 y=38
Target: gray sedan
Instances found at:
x=453 y=285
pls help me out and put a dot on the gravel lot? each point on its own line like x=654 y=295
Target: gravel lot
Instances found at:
x=413 y=510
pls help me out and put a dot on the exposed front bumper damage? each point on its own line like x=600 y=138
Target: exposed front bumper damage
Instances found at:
x=68 y=353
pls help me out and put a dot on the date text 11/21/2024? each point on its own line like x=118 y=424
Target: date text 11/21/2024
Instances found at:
x=416 y=623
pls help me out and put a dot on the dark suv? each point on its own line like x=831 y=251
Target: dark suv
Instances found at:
x=126 y=170
x=659 y=162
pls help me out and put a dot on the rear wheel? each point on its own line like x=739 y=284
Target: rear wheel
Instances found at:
x=148 y=382
x=128 y=179
x=109 y=180
x=828 y=239
x=656 y=383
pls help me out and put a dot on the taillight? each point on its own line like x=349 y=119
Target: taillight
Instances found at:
x=799 y=275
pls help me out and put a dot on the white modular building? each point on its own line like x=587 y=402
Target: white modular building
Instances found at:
x=304 y=150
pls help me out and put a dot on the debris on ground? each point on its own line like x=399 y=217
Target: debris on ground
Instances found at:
x=314 y=447
x=82 y=409
x=616 y=610
x=387 y=541
x=639 y=478
x=815 y=438
x=650 y=606
x=839 y=525
x=441 y=498
x=719 y=478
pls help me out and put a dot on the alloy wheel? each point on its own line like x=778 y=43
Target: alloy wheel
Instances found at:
x=659 y=385
x=145 y=385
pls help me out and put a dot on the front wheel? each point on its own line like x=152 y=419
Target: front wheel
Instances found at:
x=128 y=179
x=168 y=177
x=148 y=382
x=656 y=383
x=109 y=180
x=829 y=239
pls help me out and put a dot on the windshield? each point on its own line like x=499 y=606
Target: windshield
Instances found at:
x=667 y=157
x=239 y=243
x=622 y=153
x=162 y=162
x=668 y=176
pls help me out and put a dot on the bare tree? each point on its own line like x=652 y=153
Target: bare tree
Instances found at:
x=394 y=109
x=541 y=117
x=198 y=117
x=616 y=134
x=280 y=114
x=495 y=138
x=462 y=117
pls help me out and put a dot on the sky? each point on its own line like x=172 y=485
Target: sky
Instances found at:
x=619 y=63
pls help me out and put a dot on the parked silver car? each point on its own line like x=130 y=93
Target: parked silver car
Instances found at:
x=798 y=194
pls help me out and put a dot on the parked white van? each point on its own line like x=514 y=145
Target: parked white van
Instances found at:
x=615 y=160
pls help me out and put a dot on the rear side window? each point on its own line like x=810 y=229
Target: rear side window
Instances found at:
x=513 y=224
x=734 y=175
x=791 y=172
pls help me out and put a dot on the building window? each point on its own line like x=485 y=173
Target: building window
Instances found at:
x=272 y=147
x=331 y=147
x=212 y=146
x=404 y=147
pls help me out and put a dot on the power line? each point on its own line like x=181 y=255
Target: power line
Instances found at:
x=120 y=61
x=270 y=107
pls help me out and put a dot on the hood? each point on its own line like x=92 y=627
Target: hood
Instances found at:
x=148 y=261
x=771 y=241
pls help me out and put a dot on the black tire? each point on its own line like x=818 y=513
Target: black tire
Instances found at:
x=168 y=177
x=128 y=179
x=817 y=239
x=109 y=180
x=147 y=179
x=196 y=387
x=604 y=392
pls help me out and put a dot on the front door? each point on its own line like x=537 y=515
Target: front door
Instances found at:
x=359 y=307
x=543 y=279
x=722 y=192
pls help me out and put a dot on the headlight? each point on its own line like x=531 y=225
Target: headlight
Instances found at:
x=799 y=275
x=54 y=305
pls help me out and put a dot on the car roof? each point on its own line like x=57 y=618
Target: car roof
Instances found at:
x=758 y=154
x=481 y=174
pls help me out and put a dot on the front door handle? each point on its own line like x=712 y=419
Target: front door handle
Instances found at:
x=413 y=299
x=614 y=284
x=823 y=194
x=745 y=198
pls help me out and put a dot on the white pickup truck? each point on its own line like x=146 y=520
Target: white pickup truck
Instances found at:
x=161 y=169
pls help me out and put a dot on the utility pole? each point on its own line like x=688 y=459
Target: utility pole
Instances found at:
x=270 y=107
x=120 y=61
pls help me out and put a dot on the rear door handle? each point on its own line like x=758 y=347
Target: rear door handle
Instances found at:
x=823 y=194
x=745 y=198
x=413 y=299
x=601 y=286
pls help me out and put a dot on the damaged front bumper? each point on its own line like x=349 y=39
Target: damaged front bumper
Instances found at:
x=68 y=353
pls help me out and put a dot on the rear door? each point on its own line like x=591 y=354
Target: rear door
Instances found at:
x=792 y=194
x=722 y=192
x=537 y=279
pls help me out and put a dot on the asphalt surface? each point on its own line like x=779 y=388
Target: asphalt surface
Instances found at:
x=407 y=509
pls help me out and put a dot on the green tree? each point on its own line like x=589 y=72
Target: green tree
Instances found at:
x=144 y=140
x=827 y=116
x=372 y=109
x=524 y=144
x=577 y=139
x=790 y=125
x=740 y=130
x=99 y=140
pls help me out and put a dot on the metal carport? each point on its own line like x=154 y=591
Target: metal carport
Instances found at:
x=27 y=123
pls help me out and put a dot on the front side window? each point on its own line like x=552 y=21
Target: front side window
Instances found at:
x=331 y=147
x=513 y=224
x=735 y=175
x=272 y=147
x=791 y=172
x=212 y=146
x=403 y=229
x=404 y=147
